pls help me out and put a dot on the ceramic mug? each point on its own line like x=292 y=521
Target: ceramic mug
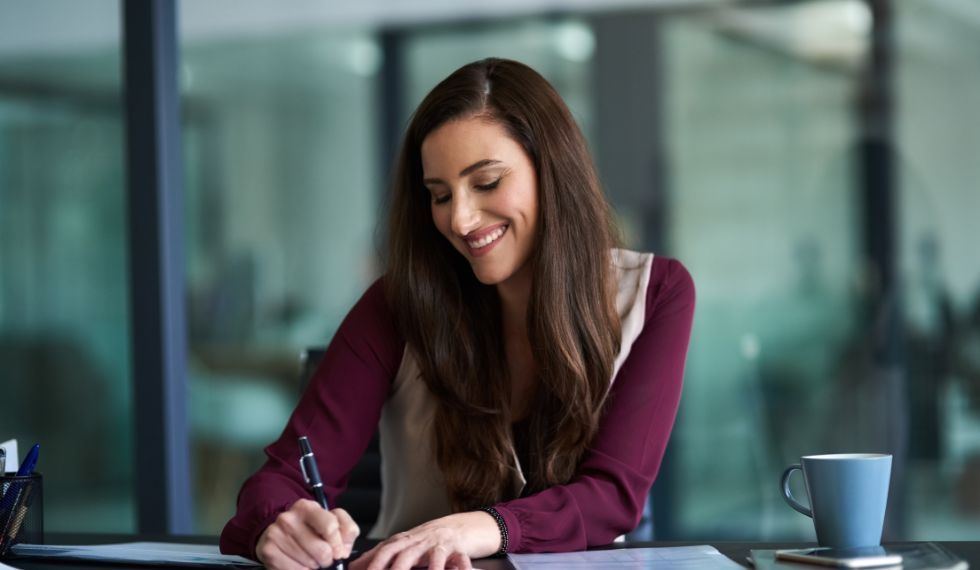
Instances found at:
x=848 y=493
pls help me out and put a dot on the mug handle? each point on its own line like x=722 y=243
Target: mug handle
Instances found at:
x=788 y=495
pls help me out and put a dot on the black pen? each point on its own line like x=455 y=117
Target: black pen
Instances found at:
x=307 y=464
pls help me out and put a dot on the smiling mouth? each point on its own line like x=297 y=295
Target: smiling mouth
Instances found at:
x=487 y=240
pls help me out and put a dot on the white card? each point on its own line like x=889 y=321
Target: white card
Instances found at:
x=13 y=458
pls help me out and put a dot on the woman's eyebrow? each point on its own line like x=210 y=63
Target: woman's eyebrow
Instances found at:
x=469 y=169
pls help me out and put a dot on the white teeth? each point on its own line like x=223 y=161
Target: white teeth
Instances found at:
x=487 y=239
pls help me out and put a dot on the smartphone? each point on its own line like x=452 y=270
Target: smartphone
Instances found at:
x=866 y=557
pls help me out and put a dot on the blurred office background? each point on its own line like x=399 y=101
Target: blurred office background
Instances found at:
x=813 y=163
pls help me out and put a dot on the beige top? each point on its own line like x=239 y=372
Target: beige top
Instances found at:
x=413 y=489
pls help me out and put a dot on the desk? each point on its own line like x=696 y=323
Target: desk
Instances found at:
x=737 y=551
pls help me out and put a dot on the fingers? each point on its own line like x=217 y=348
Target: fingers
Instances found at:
x=282 y=561
x=302 y=542
x=461 y=561
x=348 y=530
x=307 y=536
x=405 y=552
x=438 y=555
x=440 y=544
x=335 y=526
x=321 y=527
x=272 y=555
x=362 y=561
x=379 y=557
x=411 y=556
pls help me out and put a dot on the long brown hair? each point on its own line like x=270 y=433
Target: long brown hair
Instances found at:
x=452 y=322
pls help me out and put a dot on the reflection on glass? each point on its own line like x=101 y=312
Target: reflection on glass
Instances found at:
x=935 y=149
x=764 y=214
x=768 y=196
x=64 y=324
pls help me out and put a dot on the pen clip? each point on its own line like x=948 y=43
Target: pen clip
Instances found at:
x=302 y=467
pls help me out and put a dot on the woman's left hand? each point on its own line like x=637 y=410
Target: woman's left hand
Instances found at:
x=445 y=542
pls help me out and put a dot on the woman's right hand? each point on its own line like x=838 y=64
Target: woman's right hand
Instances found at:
x=306 y=536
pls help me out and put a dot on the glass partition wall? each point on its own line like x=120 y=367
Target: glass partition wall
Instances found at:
x=765 y=212
x=65 y=377
x=785 y=127
x=936 y=143
x=282 y=197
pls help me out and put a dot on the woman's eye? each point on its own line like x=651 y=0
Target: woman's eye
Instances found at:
x=487 y=187
x=440 y=199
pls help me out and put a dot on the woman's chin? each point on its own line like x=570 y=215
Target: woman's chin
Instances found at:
x=488 y=280
x=489 y=277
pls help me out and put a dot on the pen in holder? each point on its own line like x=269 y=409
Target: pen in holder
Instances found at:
x=21 y=511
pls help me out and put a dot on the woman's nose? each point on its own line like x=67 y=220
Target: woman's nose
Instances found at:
x=466 y=214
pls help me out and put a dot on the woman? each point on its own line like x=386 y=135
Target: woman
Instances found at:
x=526 y=374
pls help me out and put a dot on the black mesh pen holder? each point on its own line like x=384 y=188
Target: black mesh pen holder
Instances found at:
x=21 y=511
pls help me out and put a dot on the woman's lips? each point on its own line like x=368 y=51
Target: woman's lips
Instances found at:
x=484 y=241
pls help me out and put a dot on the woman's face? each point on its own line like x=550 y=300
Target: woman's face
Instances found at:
x=484 y=196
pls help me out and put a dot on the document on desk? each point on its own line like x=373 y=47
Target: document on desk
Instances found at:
x=664 y=558
x=150 y=553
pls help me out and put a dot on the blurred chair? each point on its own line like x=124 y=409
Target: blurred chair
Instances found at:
x=362 y=499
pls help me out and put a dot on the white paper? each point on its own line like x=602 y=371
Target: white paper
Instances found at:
x=171 y=553
x=13 y=459
x=666 y=558
x=6 y=567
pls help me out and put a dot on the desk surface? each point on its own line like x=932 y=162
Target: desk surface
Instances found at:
x=737 y=551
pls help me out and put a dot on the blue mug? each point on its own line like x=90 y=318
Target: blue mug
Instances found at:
x=848 y=494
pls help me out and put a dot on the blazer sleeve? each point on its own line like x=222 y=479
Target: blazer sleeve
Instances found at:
x=606 y=496
x=338 y=412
